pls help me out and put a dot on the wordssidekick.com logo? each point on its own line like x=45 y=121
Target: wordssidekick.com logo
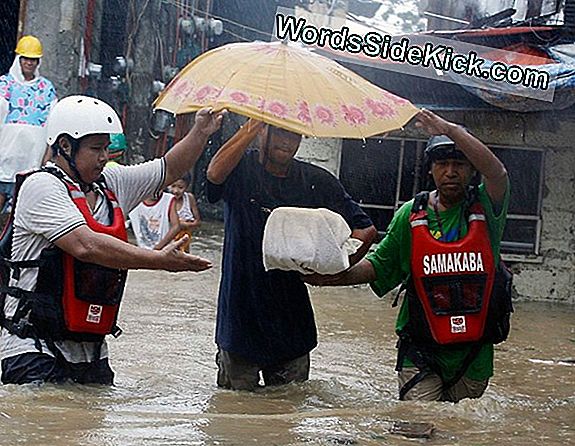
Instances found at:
x=421 y=55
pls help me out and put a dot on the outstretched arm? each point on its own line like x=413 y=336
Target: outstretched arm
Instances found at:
x=94 y=247
x=483 y=159
x=361 y=272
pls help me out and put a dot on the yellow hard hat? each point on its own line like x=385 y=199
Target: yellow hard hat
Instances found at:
x=29 y=46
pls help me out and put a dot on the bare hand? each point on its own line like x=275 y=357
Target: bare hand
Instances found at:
x=207 y=121
x=432 y=123
x=176 y=260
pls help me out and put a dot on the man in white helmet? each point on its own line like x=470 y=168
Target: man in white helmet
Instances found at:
x=68 y=248
x=25 y=102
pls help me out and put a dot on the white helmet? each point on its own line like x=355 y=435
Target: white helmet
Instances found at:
x=79 y=116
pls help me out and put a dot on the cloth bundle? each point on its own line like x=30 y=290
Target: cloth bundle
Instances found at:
x=307 y=241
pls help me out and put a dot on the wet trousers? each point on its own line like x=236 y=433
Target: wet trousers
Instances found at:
x=430 y=388
x=237 y=373
x=40 y=367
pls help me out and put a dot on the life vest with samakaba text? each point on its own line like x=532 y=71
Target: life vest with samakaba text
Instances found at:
x=453 y=280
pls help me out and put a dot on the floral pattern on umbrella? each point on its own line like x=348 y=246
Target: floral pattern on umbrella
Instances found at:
x=289 y=87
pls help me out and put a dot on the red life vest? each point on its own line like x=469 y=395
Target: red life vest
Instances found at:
x=90 y=302
x=72 y=300
x=453 y=280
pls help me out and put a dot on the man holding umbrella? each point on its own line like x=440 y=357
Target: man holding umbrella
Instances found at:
x=265 y=320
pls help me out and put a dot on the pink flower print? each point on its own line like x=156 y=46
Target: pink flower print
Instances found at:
x=240 y=97
x=353 y=115
x=390 y=97
x=182 y=88
x=278 y=109
x=41 y=84
x=325 y=115
x=303 y=112
x=203 y=93
x=380 y=109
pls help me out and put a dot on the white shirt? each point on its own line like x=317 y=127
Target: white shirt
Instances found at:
x=151 y=223
x=185 y=212
x=45 y=212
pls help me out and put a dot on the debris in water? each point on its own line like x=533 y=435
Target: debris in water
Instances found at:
x=412 y=430
x=342 y=440
x=569 y=361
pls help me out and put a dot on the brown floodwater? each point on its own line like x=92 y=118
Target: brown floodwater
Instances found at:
x=165 y=392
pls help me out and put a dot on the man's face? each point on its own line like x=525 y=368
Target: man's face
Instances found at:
x=282 y=145
x=451 y=177
x=92 y=156
x=28 y=66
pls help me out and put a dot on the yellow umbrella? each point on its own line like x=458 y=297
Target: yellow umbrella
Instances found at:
x=287 y=87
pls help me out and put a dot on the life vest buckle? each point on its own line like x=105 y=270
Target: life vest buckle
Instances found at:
x=116 y=331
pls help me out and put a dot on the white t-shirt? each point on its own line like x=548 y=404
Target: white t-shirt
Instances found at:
x=185 y=212
x=151 y=222
x=44 y=213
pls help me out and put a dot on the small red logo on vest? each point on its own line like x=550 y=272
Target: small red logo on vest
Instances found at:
x=458 y=324
x=94 y=314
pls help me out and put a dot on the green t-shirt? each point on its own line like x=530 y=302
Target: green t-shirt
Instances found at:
x=391 y=261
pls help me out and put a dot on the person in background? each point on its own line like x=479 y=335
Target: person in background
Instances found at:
x=150 y=222
x=184 y=210
x=26 y=99
x=116 y=149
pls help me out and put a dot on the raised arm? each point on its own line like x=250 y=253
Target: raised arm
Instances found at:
x=230 y=154
x=185 y=153
x=483 y=159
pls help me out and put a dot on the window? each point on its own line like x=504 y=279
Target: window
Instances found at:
x=525 y=169
x=392 y=173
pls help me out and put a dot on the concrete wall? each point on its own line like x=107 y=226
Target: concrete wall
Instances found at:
x=55 y=23
x=554 y=278
x=323 y=152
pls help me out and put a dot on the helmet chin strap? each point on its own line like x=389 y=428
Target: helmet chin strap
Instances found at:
x=84 y=186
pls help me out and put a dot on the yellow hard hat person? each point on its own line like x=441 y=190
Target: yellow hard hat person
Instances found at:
x=27 y=97
x=29 y=46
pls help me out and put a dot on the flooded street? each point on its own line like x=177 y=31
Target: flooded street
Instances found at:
x=165 y=392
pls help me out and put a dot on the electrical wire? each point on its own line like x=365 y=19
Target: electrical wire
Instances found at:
x=189 y=11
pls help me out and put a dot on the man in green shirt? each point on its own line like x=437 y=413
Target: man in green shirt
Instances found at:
x=454 y=155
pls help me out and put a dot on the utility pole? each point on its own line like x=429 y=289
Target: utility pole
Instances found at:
x=141 y=51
